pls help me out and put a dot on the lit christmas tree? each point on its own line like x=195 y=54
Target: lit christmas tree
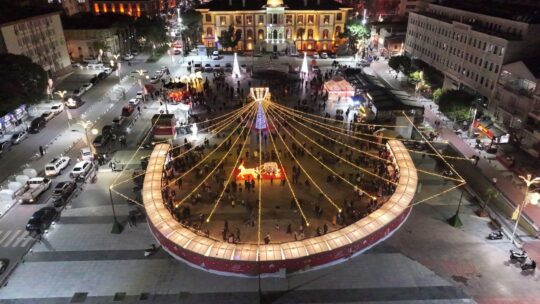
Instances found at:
x=236 y=67
x=260 y=120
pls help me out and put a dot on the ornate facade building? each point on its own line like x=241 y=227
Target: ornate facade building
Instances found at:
x=275 y=25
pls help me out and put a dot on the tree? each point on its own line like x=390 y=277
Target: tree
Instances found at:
x=230 y=38
x=150 y=31
x=355 y=32
x=490 y=193
x=437 y=95
x=192 y=21
x=400 y=63
x=455 y=104
x=21 y=82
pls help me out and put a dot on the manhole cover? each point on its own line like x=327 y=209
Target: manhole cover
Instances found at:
x=79 y=297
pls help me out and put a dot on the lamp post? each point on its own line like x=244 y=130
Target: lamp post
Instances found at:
x=529 y=180
x=62 y=94
x=455 y=221
x=117 y=227
x=86 y=125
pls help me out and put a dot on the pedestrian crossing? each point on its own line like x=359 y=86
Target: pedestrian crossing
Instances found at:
x=14 y=238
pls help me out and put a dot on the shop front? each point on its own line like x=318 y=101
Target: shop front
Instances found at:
x=12 y=119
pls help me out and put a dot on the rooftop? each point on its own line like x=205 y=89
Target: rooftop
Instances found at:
x=10 y=12
x=511 y=11
x=238 y=5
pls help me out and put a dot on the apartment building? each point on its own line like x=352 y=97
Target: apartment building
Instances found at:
x=516 y=103
x=471 y=43
x=407 y=6
x=39 y=37
x=275 y=25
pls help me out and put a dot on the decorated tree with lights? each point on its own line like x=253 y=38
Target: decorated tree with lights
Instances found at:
x=260 y=120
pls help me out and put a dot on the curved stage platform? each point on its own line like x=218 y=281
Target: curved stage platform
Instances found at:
x=251 y=259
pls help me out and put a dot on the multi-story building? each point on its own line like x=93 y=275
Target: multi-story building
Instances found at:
x=135 y=8
x=86 y=42
x=516 y=102
x=275 y=25
x=407 y=6
x=72 y=7
x=470 y=43
x=39 y=37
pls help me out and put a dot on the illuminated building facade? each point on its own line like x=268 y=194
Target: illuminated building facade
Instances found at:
x=135 y=8
x=275 y=25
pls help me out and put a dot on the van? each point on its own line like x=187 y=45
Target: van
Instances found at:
x=37 y=124
x=56 y=166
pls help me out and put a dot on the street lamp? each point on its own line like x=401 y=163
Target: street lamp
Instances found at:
x=529 y=180
x=61 y=94
x=86 y=125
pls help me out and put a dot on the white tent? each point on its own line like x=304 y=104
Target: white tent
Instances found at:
x=338 y=87
x=7 y=195
x=31 y=173
x=22 y=179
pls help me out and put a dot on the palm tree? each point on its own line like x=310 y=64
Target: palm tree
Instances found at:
x=490 y=194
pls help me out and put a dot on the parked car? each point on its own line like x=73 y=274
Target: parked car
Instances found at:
x=4 y=263
x=64 y=189
x=208 y=68
x=4 y=146
x=215 y=55
x=107 y=70
x=56 y=165
x=57 y=108
x=127 y=111
x=154 y=79
x=16 y=138
x=363 y=63
x=119 y=121
x=324 y=55
x=315 y=55
x=86 y=154
x=100 y=141
x=134 y=102
x=87 y=86
x=81 y=169
x=140 y=95
x=48 y=115
x=37 y=124
x=198 y=67
x=41 y=220
x=77 y=92
x=94 y=80
x=76 y=65
x=128 y=57
x=159 y=73
x=103 y=75
x=228 y=67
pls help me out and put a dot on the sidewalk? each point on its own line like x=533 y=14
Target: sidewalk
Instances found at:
x=508 y=183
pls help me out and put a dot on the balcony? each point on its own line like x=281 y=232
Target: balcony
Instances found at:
x=517 y=85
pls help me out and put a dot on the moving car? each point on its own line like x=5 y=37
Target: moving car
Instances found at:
x=57 y=108
x=77 y=92
x=74 y=102
x=215 y=55
x=128 y=57
x=41 y=220
x=103 y=75
x=56 y=165
x=34 y=187
x=81 y=169
x=100 y=141
x=154 y=79
x=48 y=115
x=107 y=70
x=64 y=189
x=37 y=124
x=16 y=138
x=324 y=55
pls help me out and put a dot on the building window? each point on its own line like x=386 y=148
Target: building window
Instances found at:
x=238 y=20
x=209 y=32
x=222 y=20
x=338 y=31
x=311 y=19
x=249 y=34
x=208 y=17
x=288 y=19
x=300 y=19
x=339 y=17
x=249 y=20
x=260 y=35
x=326 y=19
x=325 y=34
x=261 y=20
x=274 y=35
x=300 y=33
x=288 y=34
x=310 y=34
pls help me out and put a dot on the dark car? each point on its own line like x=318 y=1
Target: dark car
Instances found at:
x=41 y=220
x=94 y=80
x=64 y=189
x=107 y=130
x=4 y=146
x=37 y=124
x=102 y=75
x=127 y=111
x=4 y=263
x=101 y=141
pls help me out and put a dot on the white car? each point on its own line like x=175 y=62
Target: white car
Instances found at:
x=87 y=86
x=128 y=57
x=81 y=169
x=56 y=165
x=16 y=138
x=134 y=102
x=215 y=55
x=159 y=73
x=86 y=154
x=107 y=70
x=324 y=55
x=139 y=95
x=315 y=55
x=48 y=115
x=154 y=79
x=57 y=109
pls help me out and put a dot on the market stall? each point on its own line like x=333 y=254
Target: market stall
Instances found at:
x=338 y=89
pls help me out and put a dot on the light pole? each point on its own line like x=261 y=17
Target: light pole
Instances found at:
x=529 y=180
x=62 y=94
x=455 y=221
x=86 y=125
x=117 y=227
